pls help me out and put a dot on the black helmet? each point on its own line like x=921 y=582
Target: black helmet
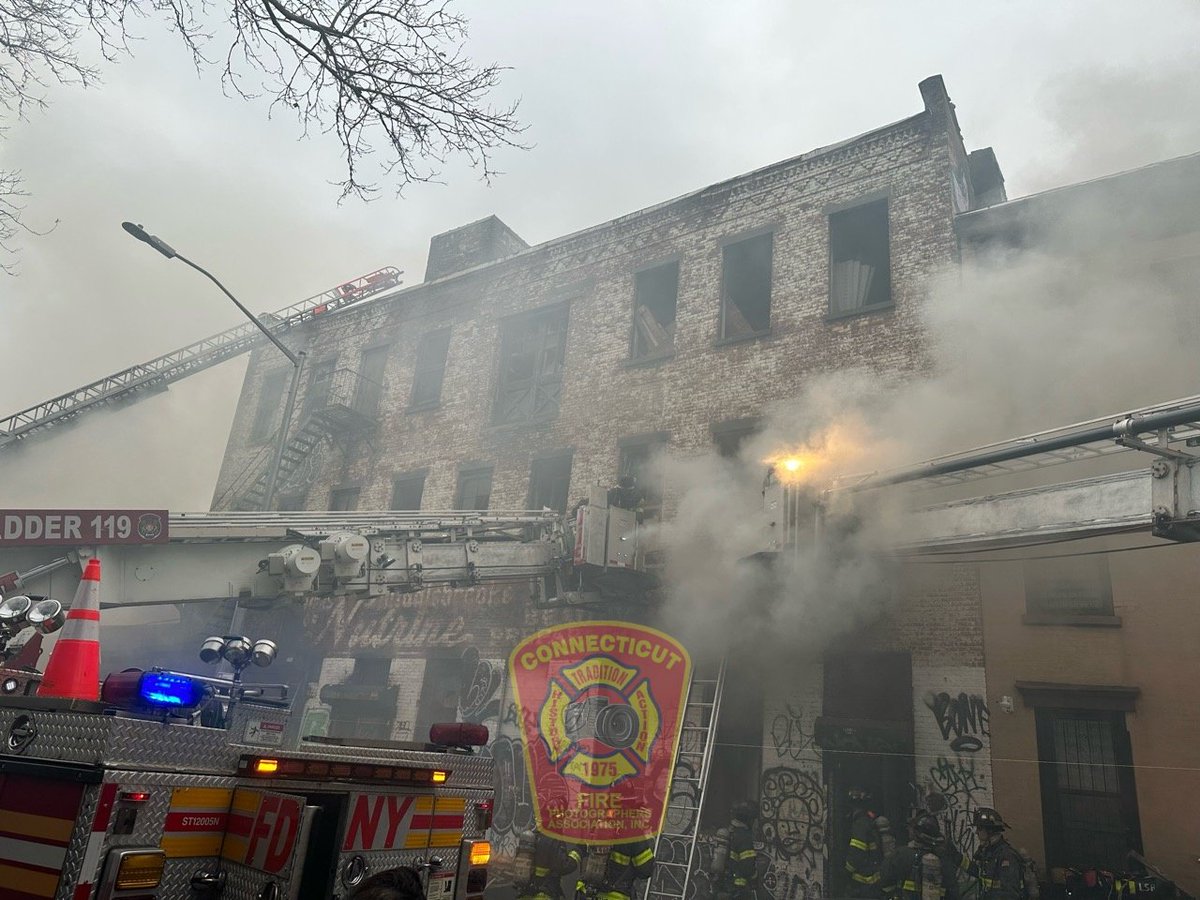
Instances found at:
x=926 y=825
x=986 y=817
x=745 y=811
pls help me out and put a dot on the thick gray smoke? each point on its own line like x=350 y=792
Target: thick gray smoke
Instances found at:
x=1100 y=319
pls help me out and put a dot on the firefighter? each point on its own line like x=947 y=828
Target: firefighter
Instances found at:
x=997 y=866
x=626 y=863
x=552 y=859
x=627 y=495
x=924 y=868
x=741 y=870
x=863 y=856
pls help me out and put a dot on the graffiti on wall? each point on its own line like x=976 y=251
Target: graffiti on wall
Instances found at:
x=957 y=781
x=480 y=687
x=789 y=736
x=512 y=810
x=792 y=814
x=963 y=720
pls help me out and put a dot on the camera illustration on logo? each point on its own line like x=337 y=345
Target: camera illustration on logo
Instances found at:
x=599 y=718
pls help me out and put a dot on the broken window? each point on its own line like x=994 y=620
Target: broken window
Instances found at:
x=369 y=389
x=746 y=287
x=430 y=369
x=343 y=499
x=365 y=705
x=439 y=694
x=549 y=482
x=1079 y=586
x=860 y=275
x=407 y=490
x=320 y=381
x=655 y=293
x=638 y=454
x=270 y=404
x=730 y=436
x=531 y=366
x=474 y=488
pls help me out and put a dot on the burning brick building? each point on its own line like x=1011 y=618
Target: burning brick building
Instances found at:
x=516 y=377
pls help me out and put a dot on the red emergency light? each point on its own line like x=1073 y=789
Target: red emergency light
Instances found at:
x=458 y=734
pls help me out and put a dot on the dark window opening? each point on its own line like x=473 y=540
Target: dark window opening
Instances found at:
x=359 y=711
x=746 y=287
x=860 y=274
x=730 y=436
x=638 y=457
x=737 y=760
x=474 y=489
x=656 y=292
x=1079 y=586
x=343 y=499
x=430 y=369
x=439 y=695
x=1089 y=800
x=532 y=349
x=291 y=502
x=369 y=388
x=407 y=491
x=549 y=482
x=320 y=381
x=270 y=405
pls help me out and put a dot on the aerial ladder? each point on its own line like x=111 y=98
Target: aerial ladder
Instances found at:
x=1006 y=494
x=144 y=379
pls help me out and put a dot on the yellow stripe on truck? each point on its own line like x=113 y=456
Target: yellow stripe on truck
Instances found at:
x=45 y=827
x=36 y=883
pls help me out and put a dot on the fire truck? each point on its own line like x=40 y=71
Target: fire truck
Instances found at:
x=176 y=786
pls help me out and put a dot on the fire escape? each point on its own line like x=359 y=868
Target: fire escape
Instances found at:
x=339 y=405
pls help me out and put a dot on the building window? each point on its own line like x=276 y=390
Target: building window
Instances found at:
x=474 y=488
x=343 y=499
x=365 y=705
x=439 y=694
x=407 y=490
x=638 y=454
x=430 y=369
x=1089 y=800
x=532 y=348
x=291 y=502
x=549 y=482
x=730 y=436
x=1065 y=588
x=860 y=276
x=368 y=390
x=655 y=294
x=270 y=404
x=746 y=287
x=320 y=381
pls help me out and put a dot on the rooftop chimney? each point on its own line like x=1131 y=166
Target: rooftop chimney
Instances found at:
x=471 y=245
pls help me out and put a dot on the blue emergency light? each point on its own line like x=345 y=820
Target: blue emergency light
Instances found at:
x=134 y=689
x=163 y=689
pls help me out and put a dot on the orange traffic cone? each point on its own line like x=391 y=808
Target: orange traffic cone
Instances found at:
x=73 y=671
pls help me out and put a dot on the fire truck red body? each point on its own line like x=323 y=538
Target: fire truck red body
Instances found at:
x=98 y=806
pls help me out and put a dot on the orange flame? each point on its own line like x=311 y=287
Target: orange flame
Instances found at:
x=832 y=452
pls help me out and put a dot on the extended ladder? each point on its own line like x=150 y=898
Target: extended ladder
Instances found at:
x=151 y=377
x=675 y=849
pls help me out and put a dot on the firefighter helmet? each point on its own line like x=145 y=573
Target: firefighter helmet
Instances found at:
x=926 y=825
x=986 y=817
x=745 y=811
x=856 y=792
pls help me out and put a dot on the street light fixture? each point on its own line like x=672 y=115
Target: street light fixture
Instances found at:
x=296 y=359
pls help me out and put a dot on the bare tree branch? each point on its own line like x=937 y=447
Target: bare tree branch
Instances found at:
x=389 y=78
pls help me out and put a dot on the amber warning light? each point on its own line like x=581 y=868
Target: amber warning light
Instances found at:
x=481 y=853
x=335 y=770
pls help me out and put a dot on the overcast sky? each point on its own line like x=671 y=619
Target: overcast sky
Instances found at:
x=627 y=104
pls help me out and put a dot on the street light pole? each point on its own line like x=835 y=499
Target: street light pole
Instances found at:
x=296 y=359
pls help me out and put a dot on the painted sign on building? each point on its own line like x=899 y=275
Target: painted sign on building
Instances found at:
x=606 y=703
